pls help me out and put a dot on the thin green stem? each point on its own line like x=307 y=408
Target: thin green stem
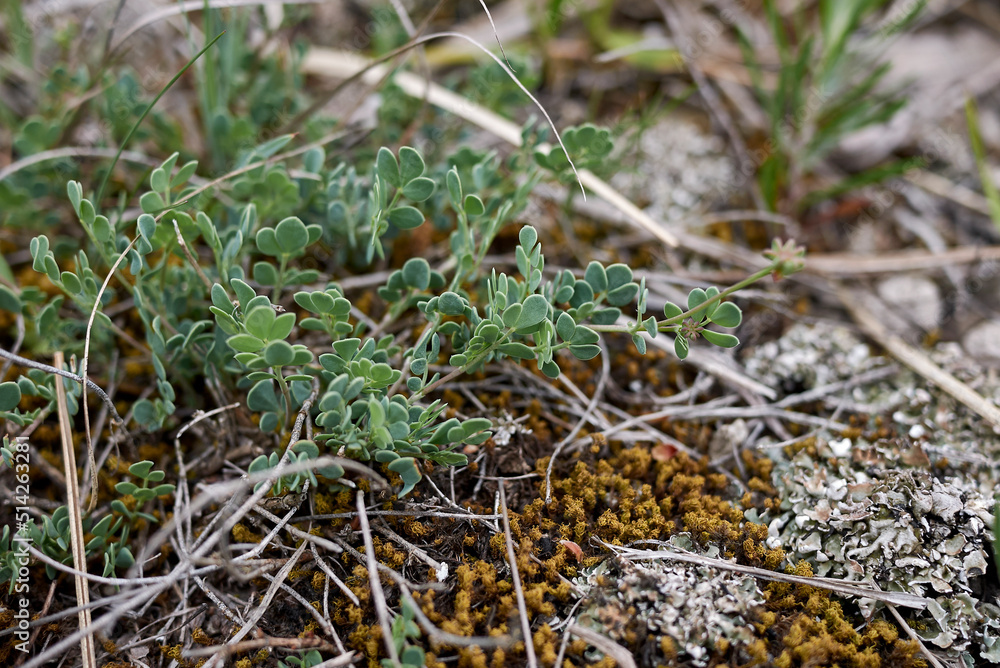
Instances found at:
x=465 y=367
x=662 y=325
x=149 y=108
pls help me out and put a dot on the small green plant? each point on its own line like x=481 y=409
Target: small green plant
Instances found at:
x=307 y=660
x=404 y=629
x=110 y=533
x=824 y=91
x=979 y=151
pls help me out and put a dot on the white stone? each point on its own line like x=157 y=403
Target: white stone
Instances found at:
x=983 y=341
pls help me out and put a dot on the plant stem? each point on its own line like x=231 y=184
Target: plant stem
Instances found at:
x=678 y=319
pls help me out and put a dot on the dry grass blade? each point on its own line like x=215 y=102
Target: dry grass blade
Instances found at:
x=87 y=645
x=934 y=661
x=378 y=596
x=610 y=648
x=261 y=609
x=915 y=359
x=529 y=645
x=849 y=264
x=837 y=586
x=341 y=64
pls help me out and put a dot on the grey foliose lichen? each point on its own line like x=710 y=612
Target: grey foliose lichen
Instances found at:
x=808 y=356
x=874 y=512
x=700 y=609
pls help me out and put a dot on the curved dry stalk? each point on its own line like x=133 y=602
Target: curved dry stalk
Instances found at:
x=87 y=643
x=264 y=603
x=842 y=587
x=529 y=646
x=24 y=361
x=378 y=595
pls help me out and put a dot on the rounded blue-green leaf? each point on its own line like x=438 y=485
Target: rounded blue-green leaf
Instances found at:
x=124 y=558
x=75 y=192
x=313 y=159
x=259 y=464
x=511 y=315
x=720 y=339
x=39 y=248
x=282 y=326
x=585 y=335
x=10 y=396
x=269 y=421
x=279 y=353
x=419 y=189
x=220 y=299
x=385 y=456
x=412 y=655
x=649 y=324
x=258 y=321
x=291 y=235
x=727 y=315
x=146 y=225
x=606 y=316
x=158 y=180
x=102 y=228
x=454 y=184
x=417 y=273
x=517 y=350
x=618 y=275
x=596 y=276
x=681 y=347
x=332 y=472
x=534 y=309
x=380 y=373
x=265 y=273
x=141 y=469
x=623 y=295
x=474 y=206
x=126 y=488
x=640 y=343
x=376 y=414
x=9 y=301
x=387 y=167
x=245 y=343
x=565 y=326
x=267 y=242
x=411 y=163
x=451 y=304
x=585 y=352
x=324 y=303
x=261 y=397
x=696 y=298
x=152 y=202
x=528 y=236
x=671 y=310
x=71 y=282
x=144 y=413
x=184 y=173
x=346 y=348
x=406 y=217
x=407 y=469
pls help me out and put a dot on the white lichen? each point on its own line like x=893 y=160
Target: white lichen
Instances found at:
x=695 y=606
x=872 y=517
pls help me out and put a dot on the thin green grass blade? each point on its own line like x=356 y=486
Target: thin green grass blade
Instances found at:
x=149 y=108
x=989 y=187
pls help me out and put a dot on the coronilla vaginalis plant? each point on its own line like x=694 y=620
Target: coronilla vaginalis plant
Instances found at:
x=226 y=299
